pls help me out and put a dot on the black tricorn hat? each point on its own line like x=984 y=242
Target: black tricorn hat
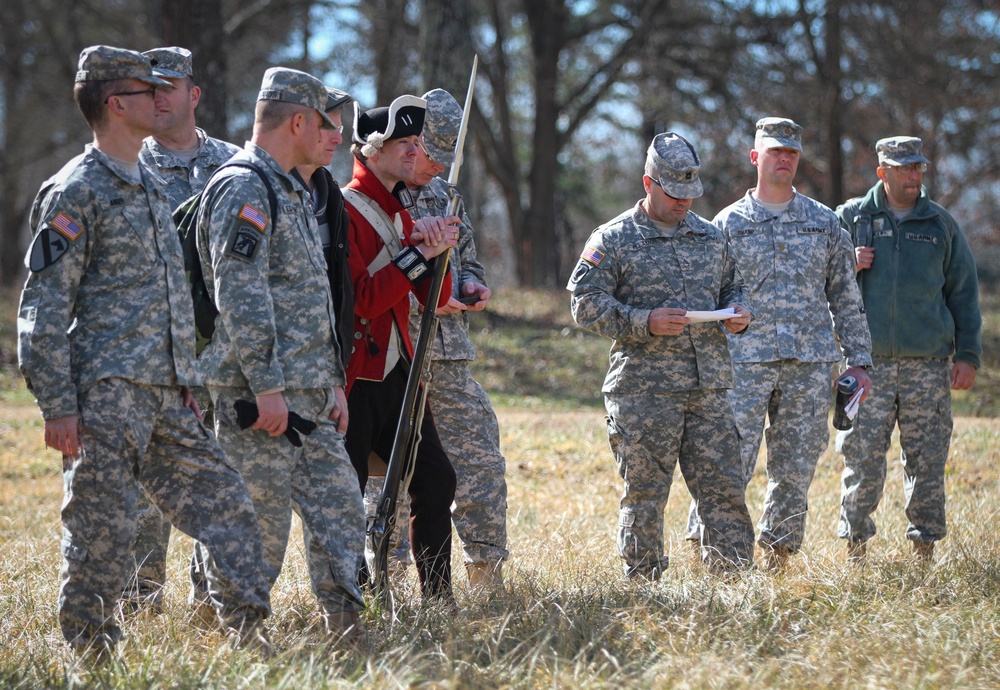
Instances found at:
x=403 y=118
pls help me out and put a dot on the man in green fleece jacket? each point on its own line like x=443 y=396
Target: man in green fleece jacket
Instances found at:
x=921 y=293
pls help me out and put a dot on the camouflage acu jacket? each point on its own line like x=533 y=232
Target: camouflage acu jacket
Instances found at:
x=799 y=271
x=186 y=178
x=452 y=342
x=275 y=328
x=630 y=267
x=106 y=295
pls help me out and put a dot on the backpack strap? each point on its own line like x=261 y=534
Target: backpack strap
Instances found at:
x=390 y=231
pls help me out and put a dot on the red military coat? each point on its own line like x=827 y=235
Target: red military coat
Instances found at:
x=381 y=298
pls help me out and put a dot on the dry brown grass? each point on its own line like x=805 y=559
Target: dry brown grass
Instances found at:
x=567 y=619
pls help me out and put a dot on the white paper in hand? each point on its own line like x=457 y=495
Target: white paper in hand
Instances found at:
x=717 y=315
x=851 y=408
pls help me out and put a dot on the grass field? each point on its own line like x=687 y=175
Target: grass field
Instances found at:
x=567 y=618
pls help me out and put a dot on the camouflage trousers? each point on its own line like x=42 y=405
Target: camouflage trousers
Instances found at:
x=145 y=581
x=317 y=481
x=140 y=437
x=649 y=435
x=916 y=395
x=470 y=435
x=795 y=398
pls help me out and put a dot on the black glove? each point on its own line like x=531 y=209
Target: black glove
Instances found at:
x=247 y=414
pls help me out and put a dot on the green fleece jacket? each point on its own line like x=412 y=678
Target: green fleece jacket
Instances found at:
x=921 y=293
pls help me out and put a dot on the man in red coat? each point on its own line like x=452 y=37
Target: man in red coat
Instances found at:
x=385 y=267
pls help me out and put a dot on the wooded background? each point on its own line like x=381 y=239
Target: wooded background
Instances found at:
x=569 y=95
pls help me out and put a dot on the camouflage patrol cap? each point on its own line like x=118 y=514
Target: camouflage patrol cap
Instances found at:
x=336 y=99
x=441 y=125
x=900 y=151
x=104 y=63
x=292 y=86
x=778 y=133
x=673 y=163
x=172 y=63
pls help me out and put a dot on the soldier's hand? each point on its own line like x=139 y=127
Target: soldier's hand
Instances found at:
x=963 y=375
x=864 y=380
x=272 y=413
x=63 y=434
x=667 y=321
x=739 y=323
x=474 y=288
x=865 y=256
x=189 y=402
x=339 y=412
x=437 y=233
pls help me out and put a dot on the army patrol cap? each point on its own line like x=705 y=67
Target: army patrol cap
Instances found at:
x=105 y=63
x=172 y=63
x=671 y=161
x=336 y=99
x=900 y=151
x=292 y=86
x=403 y=118
x=441 y=125
x=778 y=133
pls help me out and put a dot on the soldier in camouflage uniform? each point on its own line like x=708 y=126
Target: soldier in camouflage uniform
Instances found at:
x=469 y=431
x=185 y=157
x=918 y=280
x=666 y=388
x=798 y=265
x=106 y=344
x=275 y=344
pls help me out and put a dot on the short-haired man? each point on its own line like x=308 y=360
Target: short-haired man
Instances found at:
x=918 y=280
x=333 y=222
x=798 y=265
x=275 y=344
x=106 y=344
x=666 y=389
x=185 y=157
x=385 y=267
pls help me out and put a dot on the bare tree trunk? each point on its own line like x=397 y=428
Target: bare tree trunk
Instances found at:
x=536 y=239
x=197 y=25
x=834 y=104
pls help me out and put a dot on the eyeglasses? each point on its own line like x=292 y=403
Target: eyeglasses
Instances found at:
x=906 y=169
x=151 y=91
x=665 y=192
x=329 y=128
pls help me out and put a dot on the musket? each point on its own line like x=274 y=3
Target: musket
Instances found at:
x=407 y=439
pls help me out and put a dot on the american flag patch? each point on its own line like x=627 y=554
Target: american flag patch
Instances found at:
x=66 y=227
x=593 y=256
x=254 y=217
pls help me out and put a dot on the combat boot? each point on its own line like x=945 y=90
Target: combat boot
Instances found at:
x=923 y=550
x=774 y=557
x=251 y=636
x=485 y=578
x=347 y=629
x=856 y=551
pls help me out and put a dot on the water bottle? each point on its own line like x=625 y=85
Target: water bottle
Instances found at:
x=847 y=386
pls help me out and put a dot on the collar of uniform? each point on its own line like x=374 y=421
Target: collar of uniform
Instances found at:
x=364 y=181
x=647 y=228
x=112 y=165
x=264 y=157
x=760 y=214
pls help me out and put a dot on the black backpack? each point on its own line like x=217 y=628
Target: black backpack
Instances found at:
x=186 y=220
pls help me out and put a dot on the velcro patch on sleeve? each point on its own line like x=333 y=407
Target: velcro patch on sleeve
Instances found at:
x=242 y=243
x=254 y=217
x=47 y=248
x=593 y=255
x=66 y=227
